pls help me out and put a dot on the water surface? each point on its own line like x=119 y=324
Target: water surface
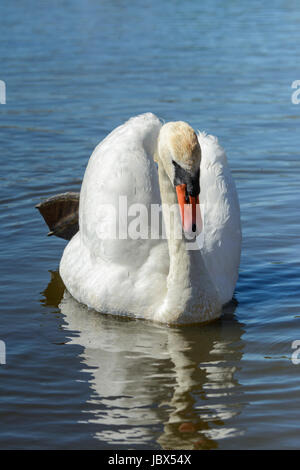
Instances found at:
x=74 y=70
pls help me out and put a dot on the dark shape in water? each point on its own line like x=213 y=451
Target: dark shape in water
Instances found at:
x=60 y=213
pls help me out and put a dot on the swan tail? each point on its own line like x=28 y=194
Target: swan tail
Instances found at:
x=60 y=213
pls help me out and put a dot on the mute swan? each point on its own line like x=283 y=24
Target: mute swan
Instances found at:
x=157 y=279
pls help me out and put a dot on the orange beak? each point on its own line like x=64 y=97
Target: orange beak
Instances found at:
x=189 y=211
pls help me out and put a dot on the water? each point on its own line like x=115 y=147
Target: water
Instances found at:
x=74 y=71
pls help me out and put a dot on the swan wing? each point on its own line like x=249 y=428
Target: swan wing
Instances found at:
x=120 y=174
x=221 y=214
x=101 y=266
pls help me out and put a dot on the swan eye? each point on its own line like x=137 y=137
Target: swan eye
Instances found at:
x=184 y=177
x=187 y=199
x=180 y=176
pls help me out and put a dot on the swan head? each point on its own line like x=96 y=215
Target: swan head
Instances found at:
x=180 y=154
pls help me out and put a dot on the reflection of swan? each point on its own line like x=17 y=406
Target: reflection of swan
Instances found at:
x=204 y=366
x=176 y=386
x=155 y=279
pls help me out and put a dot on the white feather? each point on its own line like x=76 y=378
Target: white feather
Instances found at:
x=130 y=276
x=222 y=231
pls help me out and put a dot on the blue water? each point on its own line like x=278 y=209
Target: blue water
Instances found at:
x=74 y=70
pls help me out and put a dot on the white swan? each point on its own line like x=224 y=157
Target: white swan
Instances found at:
x=161 y=280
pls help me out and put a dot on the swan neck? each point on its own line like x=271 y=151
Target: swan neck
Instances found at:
x=180 y=280
x=190 y=291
